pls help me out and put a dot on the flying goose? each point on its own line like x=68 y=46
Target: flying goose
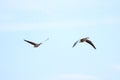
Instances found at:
x=35 y=44
x=84 y=40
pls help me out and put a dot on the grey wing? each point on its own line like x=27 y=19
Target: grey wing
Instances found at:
x=90 y=42
x=46 y=39
x=30 y=42
x=75 y=43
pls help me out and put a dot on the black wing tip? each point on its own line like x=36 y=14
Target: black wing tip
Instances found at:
x=73 y=46
x=90 y=42
x=95 y=48
x=25 y=40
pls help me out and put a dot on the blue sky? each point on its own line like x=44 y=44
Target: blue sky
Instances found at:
x=64 y=22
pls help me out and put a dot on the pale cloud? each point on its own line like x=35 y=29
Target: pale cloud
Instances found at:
x=6 y=17
x=116 y=67
x=50 y=7
x=74 y=76
x=89 y=23
x=108 y=20
x=50 y=4
x=47 y=6
x=46 y=25
x=79 y=76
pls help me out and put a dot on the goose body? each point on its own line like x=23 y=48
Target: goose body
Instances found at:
x=85 y=40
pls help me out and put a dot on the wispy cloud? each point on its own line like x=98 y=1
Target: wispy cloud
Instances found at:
x=46 y=4
x=78 y=76
x=57 y=24
x=74 y=76
x=46 y=25
x=50 y=8
x=116 y=67
x=108 y=20
x=6 y=17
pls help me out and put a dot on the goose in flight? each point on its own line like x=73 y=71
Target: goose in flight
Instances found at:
x=35 y=44
x=84 y=40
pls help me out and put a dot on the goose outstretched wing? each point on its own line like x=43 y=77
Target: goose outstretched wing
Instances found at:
x=30 y=42
x=90 y=42
x=46 y=40
x=75 y=43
